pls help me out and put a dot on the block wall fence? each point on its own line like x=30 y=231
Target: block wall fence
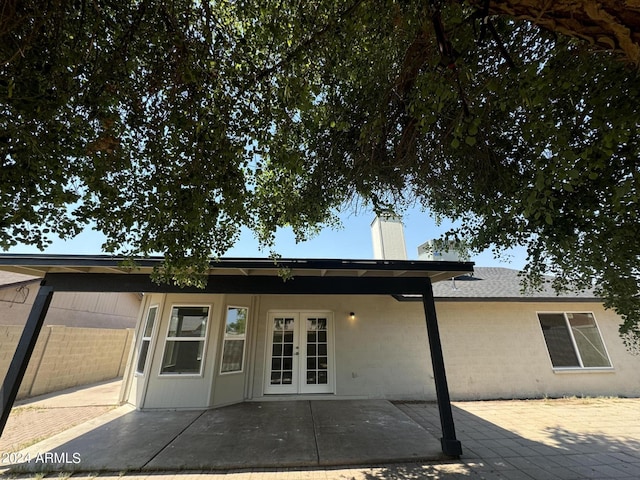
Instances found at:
x=66 y=357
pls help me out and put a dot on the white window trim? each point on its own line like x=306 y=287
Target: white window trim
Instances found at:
x=154 y=329
x=182 y=339
x=234 y=337
x=581 y=368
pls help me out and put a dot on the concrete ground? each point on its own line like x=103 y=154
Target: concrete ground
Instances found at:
x=251 y=435
x=538 y=439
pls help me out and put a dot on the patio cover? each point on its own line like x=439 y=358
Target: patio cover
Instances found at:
x=81 y=273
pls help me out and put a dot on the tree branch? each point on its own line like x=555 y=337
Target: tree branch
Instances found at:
x=607 y=24
x=308 y=42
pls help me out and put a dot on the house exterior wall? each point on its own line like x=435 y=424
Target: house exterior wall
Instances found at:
x=231 y=387
x=90 y=310
x=16 y=302
x=381 y=353
x=491 y=350
x=497 y=350
x=94 y=310
x=187 y=391
x=134 y=385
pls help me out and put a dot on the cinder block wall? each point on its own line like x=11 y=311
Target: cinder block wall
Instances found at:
x=66 y=357
x=9 y=336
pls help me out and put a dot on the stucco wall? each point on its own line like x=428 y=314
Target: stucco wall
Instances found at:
x=186 y=390
x=497 y=350
x=230 y=388
x=381 y=353
x=94 y=310
x=15 y=303
x=491 y=349
x=91 y=310
x=65 y=357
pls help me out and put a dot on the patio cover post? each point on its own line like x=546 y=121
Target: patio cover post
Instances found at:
x=25 y=347
x=450 y=444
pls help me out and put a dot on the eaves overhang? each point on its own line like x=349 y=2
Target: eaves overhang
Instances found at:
x=18 y=284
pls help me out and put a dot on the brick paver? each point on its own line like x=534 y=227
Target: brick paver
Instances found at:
x=570 y=439
x=28 y=425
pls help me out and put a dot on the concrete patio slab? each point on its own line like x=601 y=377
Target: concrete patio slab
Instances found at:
x=369 y=432
x=124 y=439
x=284 y=434
x=247 y=435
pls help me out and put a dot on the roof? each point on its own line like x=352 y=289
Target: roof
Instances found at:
x=39 y=265
x=502 y=284
x=452 y=281
x=11 y=279
x=233 y=275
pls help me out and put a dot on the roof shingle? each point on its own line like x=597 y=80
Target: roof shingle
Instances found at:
x=499 y=283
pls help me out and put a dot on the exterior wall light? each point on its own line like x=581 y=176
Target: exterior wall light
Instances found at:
x=352 y=316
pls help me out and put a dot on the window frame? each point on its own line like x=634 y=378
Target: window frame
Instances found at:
x=203 y=339
x=225 y=338
x=147 y=339
x=574 y=344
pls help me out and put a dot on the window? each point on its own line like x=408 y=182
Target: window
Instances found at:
x=146 y=339
x=573 y=340
x=234 y=339
x=184 y=347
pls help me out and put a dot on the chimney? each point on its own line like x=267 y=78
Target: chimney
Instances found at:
x=388 y=238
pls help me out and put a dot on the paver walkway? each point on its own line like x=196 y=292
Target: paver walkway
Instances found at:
x=28 y=425
x=570 y=439
x=38 y=418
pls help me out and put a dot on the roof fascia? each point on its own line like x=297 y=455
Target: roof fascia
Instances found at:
x=70 y=261
x=520 y=299
x=255 y=284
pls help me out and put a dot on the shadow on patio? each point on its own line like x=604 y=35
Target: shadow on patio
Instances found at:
x=249 y=435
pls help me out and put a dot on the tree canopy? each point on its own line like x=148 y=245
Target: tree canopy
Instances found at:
x=170 y=125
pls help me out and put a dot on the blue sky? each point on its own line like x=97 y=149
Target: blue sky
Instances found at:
x=353 y=241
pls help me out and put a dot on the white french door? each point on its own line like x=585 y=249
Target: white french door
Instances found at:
x=299 y=353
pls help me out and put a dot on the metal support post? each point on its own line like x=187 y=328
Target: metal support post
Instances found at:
x=450 y=444
x=20 y=360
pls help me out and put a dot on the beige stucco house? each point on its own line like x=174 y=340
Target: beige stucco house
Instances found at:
x=347 y=329
x=501 y=343
x=210 y=350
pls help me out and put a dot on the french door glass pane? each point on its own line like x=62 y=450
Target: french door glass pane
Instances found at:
x=317 y=351
x=282 y=351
